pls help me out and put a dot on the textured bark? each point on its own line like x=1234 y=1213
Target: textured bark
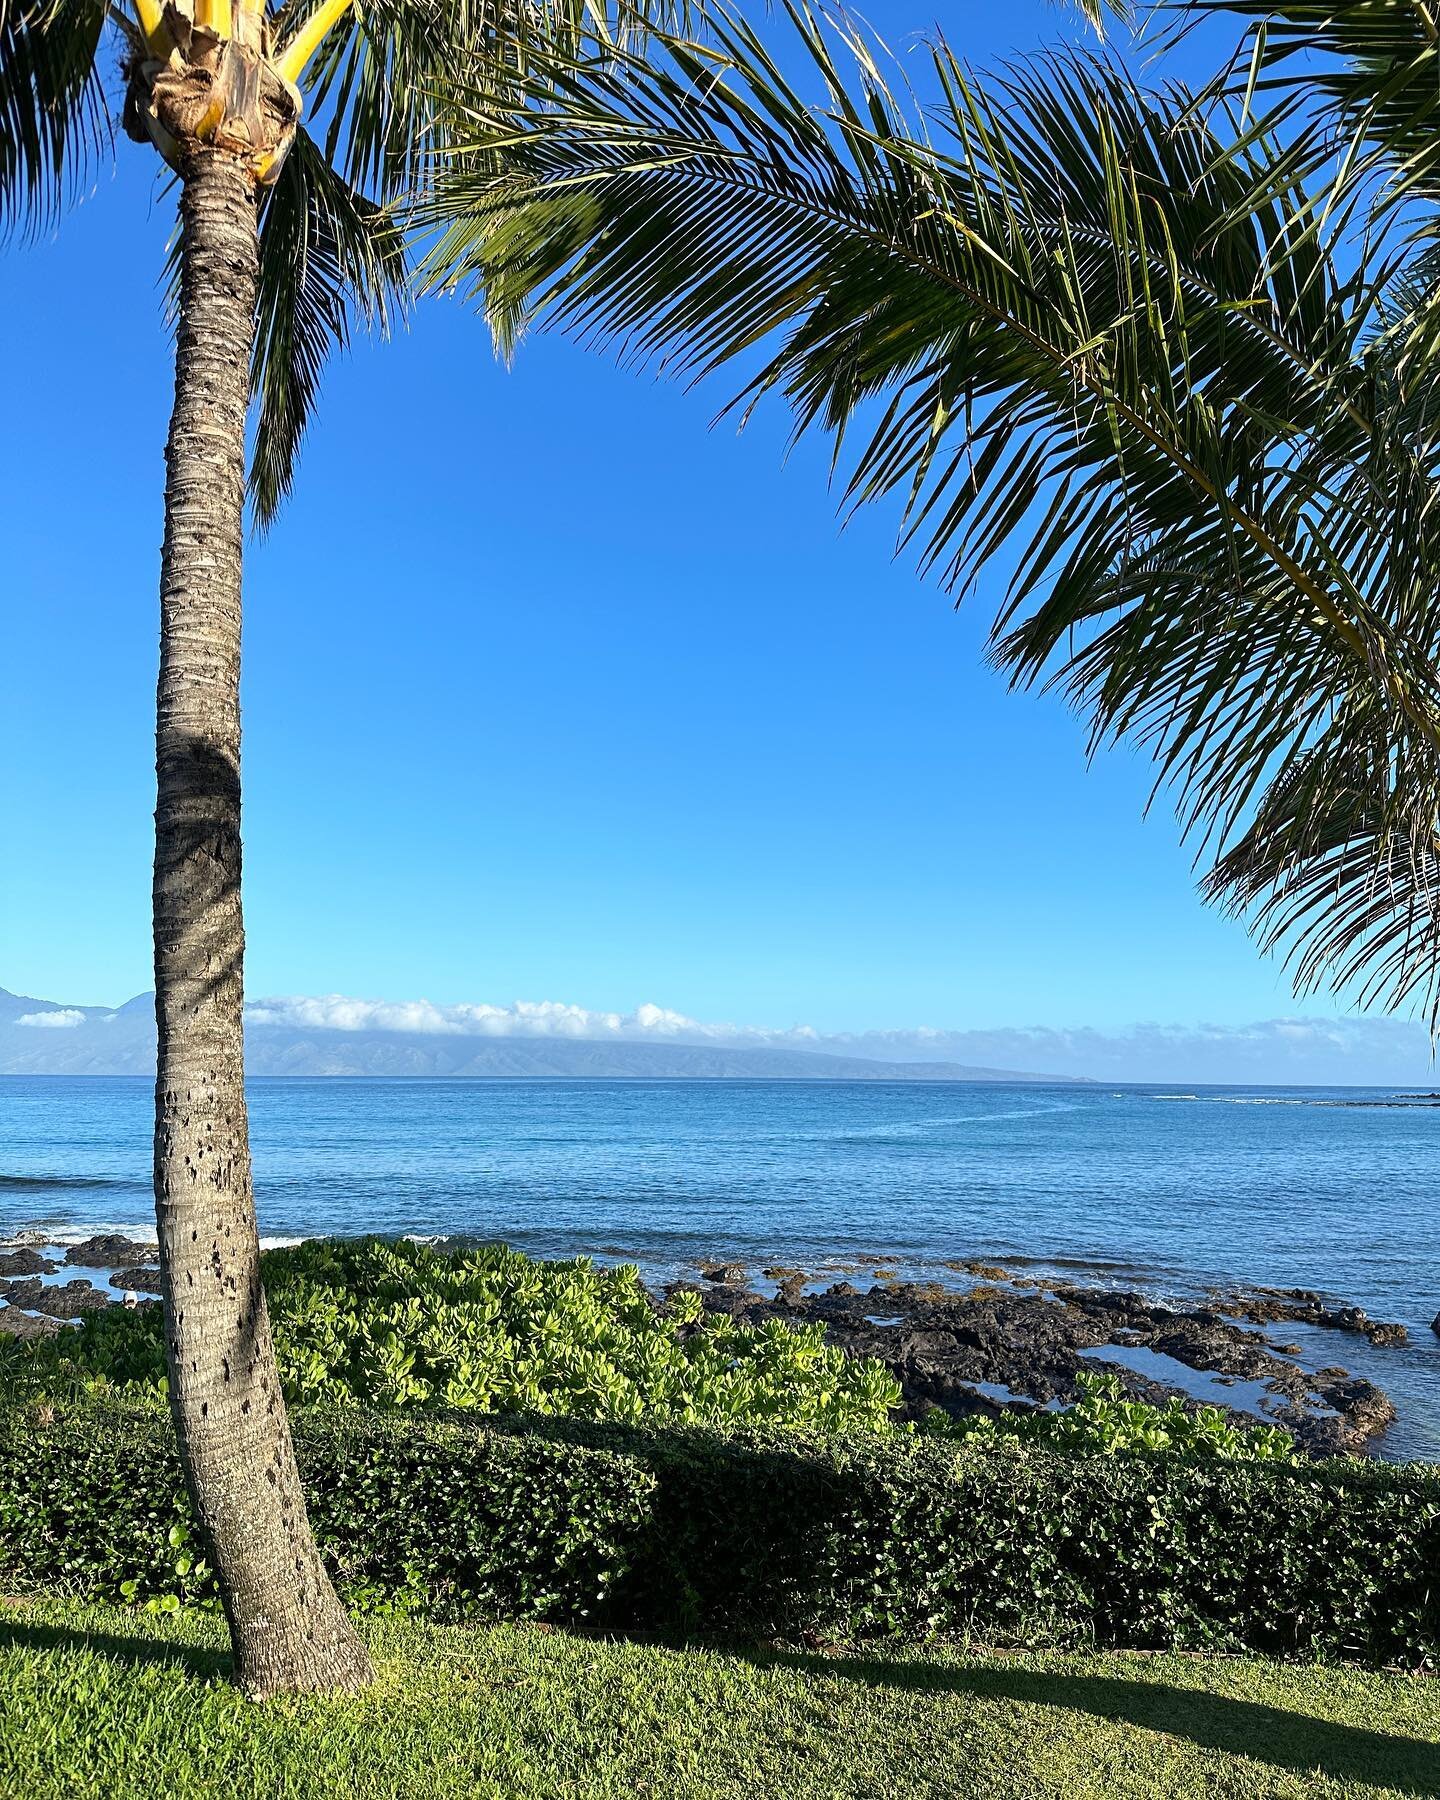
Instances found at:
x=288 y=1628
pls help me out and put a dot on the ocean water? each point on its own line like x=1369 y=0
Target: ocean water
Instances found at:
x=1174 y=1190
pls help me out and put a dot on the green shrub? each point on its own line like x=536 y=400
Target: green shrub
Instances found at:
x=1103 y=1422
x=772 y=1534
x=402 y=1326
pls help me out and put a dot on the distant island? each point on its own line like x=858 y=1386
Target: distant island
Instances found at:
x=44 y=1037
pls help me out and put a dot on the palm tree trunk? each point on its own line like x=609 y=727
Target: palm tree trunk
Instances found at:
x=288 y=1628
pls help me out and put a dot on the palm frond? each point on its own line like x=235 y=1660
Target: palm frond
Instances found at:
x=1060 y=328
x=381 y=74
x=1096 y=12
x=1374 y=63
x=325 y=253
x=52 y=107
x=1339 y=870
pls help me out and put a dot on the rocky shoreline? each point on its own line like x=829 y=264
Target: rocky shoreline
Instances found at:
x=986 y=1339
x=1015 y=1340
x=39 y=1308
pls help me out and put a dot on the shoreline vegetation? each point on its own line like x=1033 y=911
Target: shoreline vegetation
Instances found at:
x=505 y=1460
x=724 y=1485
x=984 y=1339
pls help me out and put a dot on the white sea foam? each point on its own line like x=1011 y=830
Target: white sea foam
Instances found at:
x=141 y=1233
x=70 y=1233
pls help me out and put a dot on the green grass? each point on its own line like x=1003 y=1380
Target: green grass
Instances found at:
x=102 y=1701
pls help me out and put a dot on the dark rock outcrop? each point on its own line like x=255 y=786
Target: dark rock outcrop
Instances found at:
x=1032 y=1337
x=68 y=1302
x=140 y=1281
x=108 y=1251
x=23 y=1261
x=17 y=1324
x=1267 y=1306
x=727 y=1273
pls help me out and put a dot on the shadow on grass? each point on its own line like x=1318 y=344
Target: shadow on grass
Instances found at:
x=1266 y=1734
x=1271 y=1735
x=139 y=1651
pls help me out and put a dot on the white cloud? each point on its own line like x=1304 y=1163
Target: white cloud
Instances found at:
x=63 y=1018
x=522 y=1018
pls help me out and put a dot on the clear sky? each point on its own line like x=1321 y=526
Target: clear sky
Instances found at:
x=553 y=691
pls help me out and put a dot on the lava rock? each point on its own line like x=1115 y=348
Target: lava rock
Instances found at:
x=1303 y=1306
x=927 y=1349
x=17 y=1324
x=983 y=1271
x=22 y=1262
x=943 y=1341
x=108 y=1251
x=142 y=1281
x=68 y=1302
x=730 y=1273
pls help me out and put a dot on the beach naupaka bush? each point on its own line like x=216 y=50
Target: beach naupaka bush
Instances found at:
x=1105 y=1422
x=401 y=1325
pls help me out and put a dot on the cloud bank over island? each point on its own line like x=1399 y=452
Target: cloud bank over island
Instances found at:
x=345 y=1034
x=1282 y=1050
x=522 y=1018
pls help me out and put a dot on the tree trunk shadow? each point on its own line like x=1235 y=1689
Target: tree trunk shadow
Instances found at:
x=1296 y=1741
x=137 y=1652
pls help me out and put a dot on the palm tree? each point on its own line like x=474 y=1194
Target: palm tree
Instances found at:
x=283 y=239
x=1158 y=357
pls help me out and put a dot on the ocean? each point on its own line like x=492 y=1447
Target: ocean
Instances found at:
x=1172 y=1190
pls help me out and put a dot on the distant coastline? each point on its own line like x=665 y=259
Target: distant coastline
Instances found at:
x=92 y=1040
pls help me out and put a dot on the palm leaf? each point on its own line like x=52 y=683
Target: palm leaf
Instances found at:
x=334 y=228
x=1372 y=65
x=1073 y=327
x=52 y=108
x=383 y=70
x=326 y=254
x=1339 y=870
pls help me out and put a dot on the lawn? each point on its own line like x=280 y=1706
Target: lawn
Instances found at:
x=102 y=1701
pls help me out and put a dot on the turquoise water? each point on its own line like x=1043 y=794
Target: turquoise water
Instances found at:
x=1172 y=1189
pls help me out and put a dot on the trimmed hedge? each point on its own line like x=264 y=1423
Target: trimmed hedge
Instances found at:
x=776 y=1535
x=755 y=1536
x=411 y=1515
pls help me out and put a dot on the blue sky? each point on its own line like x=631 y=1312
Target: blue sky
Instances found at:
x=554 y=692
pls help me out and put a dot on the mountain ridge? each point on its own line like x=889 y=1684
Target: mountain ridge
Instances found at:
x=99 y=1040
